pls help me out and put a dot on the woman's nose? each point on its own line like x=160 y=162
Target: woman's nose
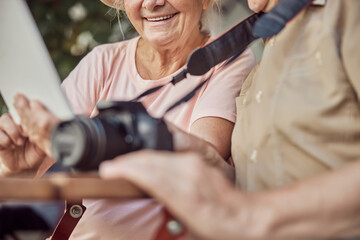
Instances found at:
x=151 y=4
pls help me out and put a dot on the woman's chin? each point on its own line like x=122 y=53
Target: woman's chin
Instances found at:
x=161 y=40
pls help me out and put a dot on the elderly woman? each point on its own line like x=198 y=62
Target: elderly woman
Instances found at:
x=169 y=31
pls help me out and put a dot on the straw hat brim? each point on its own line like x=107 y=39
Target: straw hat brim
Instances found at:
x=111 y=3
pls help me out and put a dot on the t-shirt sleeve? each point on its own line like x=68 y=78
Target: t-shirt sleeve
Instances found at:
x=218 y=98
x=83 y=85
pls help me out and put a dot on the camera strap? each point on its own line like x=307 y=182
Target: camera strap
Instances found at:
x=275 y=20
x=231 y=44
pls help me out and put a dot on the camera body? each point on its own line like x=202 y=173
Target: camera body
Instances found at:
x=120 y=127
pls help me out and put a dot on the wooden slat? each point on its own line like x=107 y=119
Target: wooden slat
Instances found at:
x=66 y=187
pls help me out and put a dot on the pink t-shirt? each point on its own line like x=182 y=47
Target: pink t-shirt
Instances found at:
x=109 y=73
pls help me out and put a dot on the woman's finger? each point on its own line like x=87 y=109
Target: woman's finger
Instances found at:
x=38 y=106
x=5 y=141
x=22 y=105
x=44 y=119
x=10 y=130
x=36 y=121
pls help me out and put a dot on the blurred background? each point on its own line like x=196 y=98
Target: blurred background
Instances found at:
x=70 y=29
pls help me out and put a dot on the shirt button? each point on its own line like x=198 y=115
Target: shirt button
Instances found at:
x=318 y=57
x=253 y=157
x=258 y=96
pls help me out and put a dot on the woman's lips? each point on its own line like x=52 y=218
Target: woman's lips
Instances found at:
x=160 y=18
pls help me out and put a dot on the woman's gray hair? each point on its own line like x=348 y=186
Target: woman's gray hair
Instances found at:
x=209 y=16
x=119 y=4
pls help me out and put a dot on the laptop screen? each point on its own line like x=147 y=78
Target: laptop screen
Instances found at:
x=25 y=64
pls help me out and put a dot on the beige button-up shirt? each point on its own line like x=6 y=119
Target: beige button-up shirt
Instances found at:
x=299 y=111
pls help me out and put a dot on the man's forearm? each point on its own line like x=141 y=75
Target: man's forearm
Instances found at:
x=318 y=208
x=187 y=142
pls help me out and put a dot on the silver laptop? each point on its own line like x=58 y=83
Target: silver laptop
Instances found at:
x=25 y=64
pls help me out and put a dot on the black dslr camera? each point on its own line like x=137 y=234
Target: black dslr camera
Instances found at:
x=121 y=127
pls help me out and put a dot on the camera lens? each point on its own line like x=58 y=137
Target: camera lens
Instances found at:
x=119 y=128
x=83 y=143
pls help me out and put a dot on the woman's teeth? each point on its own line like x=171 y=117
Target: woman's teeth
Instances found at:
x=157 y=19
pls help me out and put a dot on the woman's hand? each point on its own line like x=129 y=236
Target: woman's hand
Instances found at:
x=17 y=153
x=25 y=146
x=36 y=122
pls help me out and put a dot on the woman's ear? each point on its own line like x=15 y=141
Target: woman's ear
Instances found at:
x=257 y=5
x=262 y=5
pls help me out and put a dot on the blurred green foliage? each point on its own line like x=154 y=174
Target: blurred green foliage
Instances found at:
x=71 y=28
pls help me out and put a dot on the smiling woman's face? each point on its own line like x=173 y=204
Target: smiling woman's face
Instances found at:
x=162 y=22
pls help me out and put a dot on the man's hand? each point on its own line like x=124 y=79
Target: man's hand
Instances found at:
x=186 y=185
x=211 y=208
